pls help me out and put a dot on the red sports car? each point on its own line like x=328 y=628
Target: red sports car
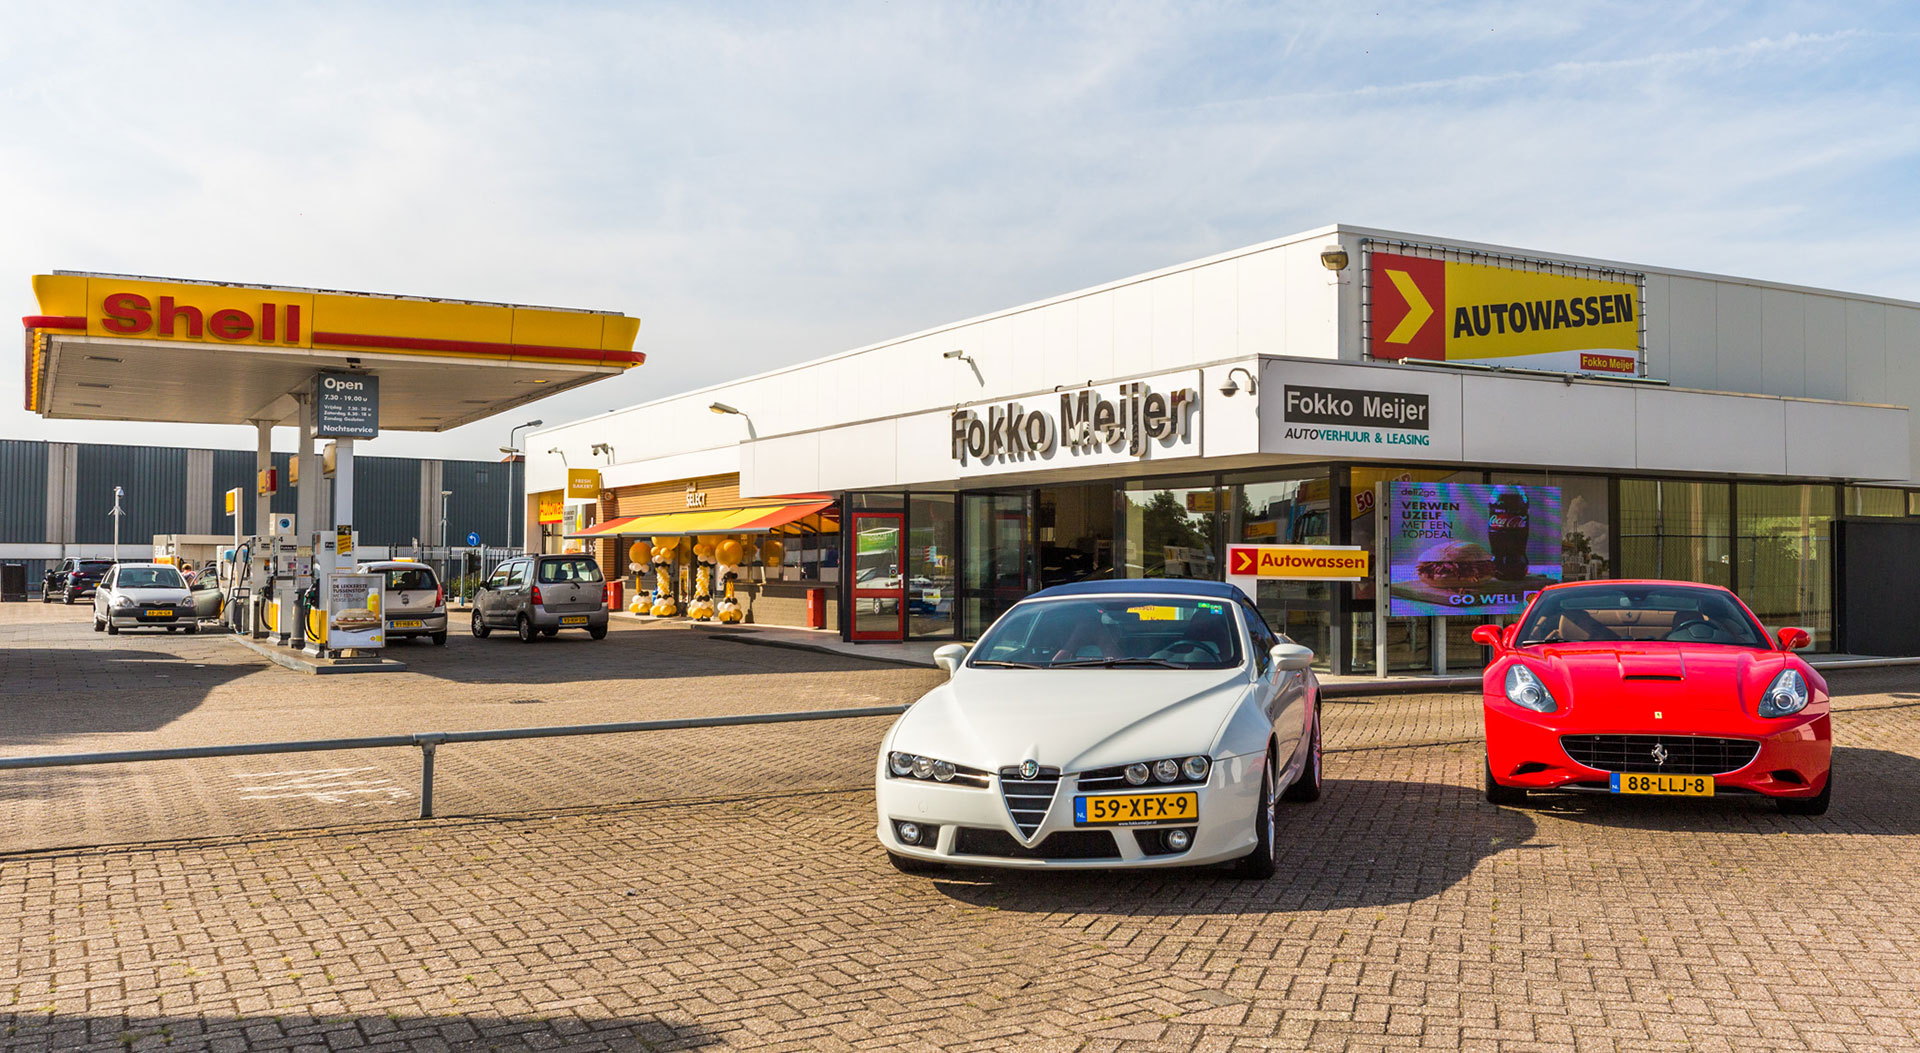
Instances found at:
x=1653 y=687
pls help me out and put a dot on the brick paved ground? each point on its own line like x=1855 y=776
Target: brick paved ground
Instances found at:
x=1409 y=914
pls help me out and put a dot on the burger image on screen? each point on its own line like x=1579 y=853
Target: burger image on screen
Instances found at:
x=1455 y=565
x=356 y=619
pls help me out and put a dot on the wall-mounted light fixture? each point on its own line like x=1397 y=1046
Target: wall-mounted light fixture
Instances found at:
x=721 y=407
x=1334 y=257
x=1232 y=388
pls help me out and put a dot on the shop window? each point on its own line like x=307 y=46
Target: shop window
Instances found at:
x=1073 y=532
x=1286 y=507
x=931 y=562
x=1876 y=501
x=1913 y=502
x=1409 y=639
x=1676 y=530
x=1586 y=544
x=1784 y=547
x=1171 y=527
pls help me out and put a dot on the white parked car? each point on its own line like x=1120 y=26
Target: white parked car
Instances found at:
x=1139 y=723
x=137 y=595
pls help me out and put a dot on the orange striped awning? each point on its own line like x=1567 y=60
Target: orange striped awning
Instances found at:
x=757 y=519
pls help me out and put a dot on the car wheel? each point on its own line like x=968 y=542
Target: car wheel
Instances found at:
x=439 y=639
x=1259 y=863
x=1508 y=795
x=112 y=629
x=549 y=633
x=598 y=632
x=1815 y=805
x=67 y=597
x=527 y=634
x=479 y=627
x=1307 y=786
x=98 y=625
x=191 y=629
x=910 y=865
x=46 y=595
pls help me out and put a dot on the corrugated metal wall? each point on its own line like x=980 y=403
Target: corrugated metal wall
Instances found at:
x=480 y=503
x=23 y=490
x=232 y=468
x=386 y=500
x=155 y=481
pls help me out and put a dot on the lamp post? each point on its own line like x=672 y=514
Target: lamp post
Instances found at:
x=117 y=513
x=512 y=450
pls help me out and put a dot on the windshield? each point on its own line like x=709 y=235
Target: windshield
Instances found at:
x=149 y=578
x=411 y=578
x=1168 y=632
x=555 y=570
x=1639 y=614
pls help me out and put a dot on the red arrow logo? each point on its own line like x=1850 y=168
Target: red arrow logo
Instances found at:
x=1241 y=560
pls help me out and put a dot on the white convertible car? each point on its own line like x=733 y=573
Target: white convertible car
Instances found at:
x=1139 y=723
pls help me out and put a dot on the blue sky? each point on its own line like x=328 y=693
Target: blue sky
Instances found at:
x=765 y=183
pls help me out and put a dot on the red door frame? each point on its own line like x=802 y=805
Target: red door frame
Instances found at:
x=898 y=594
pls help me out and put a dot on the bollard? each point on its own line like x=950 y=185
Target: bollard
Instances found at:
x=427 y=743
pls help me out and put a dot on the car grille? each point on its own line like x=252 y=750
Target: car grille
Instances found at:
x=1028 y=799
x=1066 y=844
x=1685 y=754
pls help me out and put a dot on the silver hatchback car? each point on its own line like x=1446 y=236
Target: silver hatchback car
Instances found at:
x=540 y=595
x=414 y=599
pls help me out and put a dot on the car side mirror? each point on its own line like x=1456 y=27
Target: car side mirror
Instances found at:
x=1292 y=656
x=1792 y=639
x=1490 y=636
x=949 y=656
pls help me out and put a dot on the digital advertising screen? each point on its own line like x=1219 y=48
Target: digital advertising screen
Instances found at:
x=1468 y=549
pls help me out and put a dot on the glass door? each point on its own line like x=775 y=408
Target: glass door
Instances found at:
x=879 y=589
x=995 y=558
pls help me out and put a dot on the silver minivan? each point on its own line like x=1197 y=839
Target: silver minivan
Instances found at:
x=414 y=599
x=540 y=595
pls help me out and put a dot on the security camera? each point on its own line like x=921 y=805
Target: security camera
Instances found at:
x=1334 y=257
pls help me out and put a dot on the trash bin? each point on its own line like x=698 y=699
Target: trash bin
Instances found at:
x=616 y=593
x=13 y=583
x=816 y=608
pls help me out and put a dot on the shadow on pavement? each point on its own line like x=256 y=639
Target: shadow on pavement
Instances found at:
x=1870 y=793
x=34 y=1031
x=1397 y=842
x=126 y=690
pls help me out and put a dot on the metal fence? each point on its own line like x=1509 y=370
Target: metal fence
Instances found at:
x=461 y=569
x=428 y=741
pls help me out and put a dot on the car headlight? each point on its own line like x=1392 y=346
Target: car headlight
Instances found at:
x=1138 y=774
x=121 y=603
x=912 y=765
x=1166 y=770
x=1195 y=768
x=1525 y=690
x=1786 y=696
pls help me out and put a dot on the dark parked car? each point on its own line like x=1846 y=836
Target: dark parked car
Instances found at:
x=540 y=595
x=74 y=579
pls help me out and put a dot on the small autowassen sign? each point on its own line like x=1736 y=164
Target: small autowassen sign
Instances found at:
x=1298 y=562
x=347 y=405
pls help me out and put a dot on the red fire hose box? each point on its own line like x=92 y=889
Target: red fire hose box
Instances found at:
x=816 y=608
x=616 y=592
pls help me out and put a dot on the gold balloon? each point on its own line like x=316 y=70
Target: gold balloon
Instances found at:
x=702 y=551
x=728 y=552
x=773 y=552
x=666 y=544
x=639 y=552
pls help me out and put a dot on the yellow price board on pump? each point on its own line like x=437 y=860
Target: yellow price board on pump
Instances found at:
x=343 y=541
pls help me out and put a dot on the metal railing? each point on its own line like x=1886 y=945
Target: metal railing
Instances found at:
x=428 y=741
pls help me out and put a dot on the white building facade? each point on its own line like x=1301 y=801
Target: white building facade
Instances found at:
x=1687 y=426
